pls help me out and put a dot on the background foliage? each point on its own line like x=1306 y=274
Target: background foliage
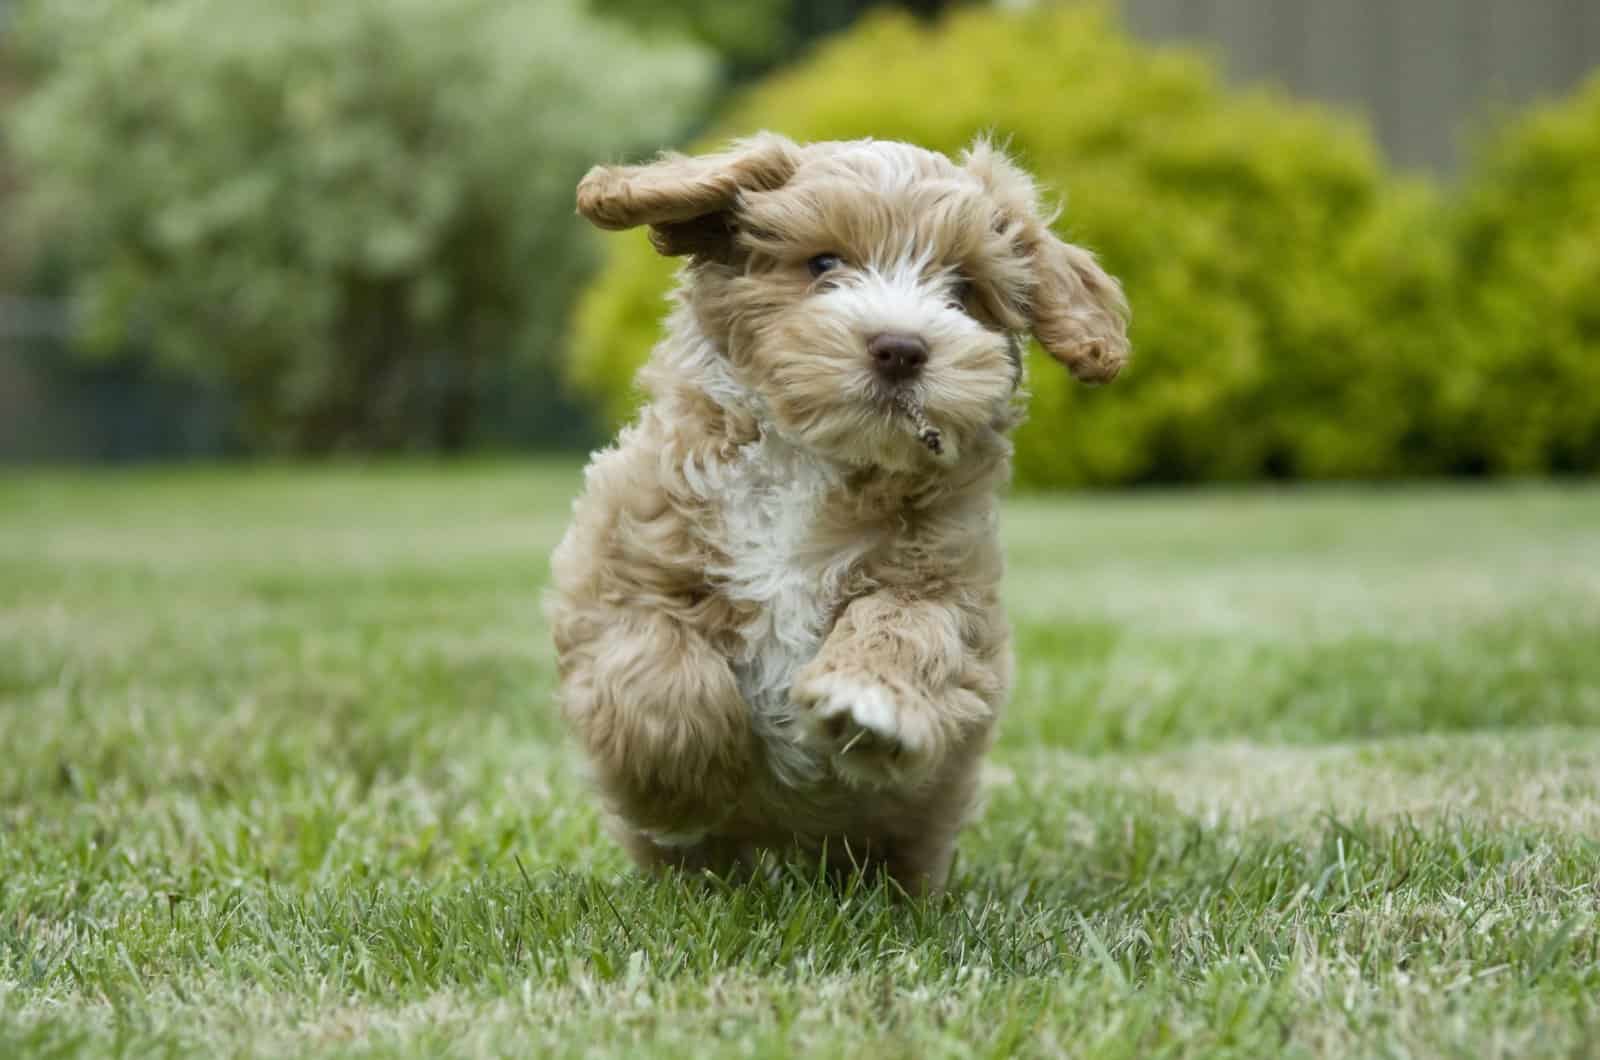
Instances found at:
x=355 y=215
x=751 y=36
x=1529 y=239
x=1298 y=309
x=317 y=227
x=10 y=246
x=1260 y=241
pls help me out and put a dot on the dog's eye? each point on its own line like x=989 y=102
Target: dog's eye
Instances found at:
x=960 y=292
x=824 y=263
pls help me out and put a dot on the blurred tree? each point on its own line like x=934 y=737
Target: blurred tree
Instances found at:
x=747 y=33
x=752 y=36
x=356 y=216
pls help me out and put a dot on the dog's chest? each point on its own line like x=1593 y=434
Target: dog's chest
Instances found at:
x=771 y=498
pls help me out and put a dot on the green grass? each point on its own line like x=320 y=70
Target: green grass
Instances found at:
x=1287 y=773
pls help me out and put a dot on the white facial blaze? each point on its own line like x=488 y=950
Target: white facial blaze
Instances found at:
x=968 y=376
x=907 y=297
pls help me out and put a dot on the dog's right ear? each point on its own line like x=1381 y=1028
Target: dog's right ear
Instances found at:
x=685 y=200
x=1077 y=309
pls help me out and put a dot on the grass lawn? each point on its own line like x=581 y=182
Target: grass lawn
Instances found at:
x=1297 y=773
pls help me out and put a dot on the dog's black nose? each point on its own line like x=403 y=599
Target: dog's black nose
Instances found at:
x=898 y=358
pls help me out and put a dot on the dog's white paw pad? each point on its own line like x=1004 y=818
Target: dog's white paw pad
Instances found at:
x=869 y=736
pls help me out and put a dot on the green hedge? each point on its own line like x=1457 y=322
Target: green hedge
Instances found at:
x=1529 y=239
x=1286 y=291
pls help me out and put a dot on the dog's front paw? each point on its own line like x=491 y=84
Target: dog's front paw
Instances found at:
x=873 y=735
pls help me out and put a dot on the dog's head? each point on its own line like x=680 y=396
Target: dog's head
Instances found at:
x=875 y=296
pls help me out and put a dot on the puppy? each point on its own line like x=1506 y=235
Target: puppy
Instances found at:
x=776 y=611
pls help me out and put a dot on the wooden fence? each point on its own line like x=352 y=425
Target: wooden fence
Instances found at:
x=1428 y=73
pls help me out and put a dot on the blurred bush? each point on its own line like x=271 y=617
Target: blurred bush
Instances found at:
x=357 y=216
x=749 y=33
x=752 y=36
x=1289 y=298
x=1529 y=247
x=10 y=241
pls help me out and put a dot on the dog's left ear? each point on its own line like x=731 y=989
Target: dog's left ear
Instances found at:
x=1077 y=310
x=685 y=200
x=1079 y=313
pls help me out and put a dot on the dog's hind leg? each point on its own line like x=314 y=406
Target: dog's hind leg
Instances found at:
x=661 y=717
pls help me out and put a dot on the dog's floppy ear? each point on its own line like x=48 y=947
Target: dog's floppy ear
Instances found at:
x=1079 y=313
x=685 y=199
x=1076 y=310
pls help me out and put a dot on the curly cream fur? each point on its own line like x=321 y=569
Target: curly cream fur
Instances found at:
x=776 y=611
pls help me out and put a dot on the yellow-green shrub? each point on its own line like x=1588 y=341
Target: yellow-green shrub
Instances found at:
x=1529 y=241
x=1277 y=281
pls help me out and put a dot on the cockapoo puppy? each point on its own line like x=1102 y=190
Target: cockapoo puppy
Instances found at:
x=776 y=611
